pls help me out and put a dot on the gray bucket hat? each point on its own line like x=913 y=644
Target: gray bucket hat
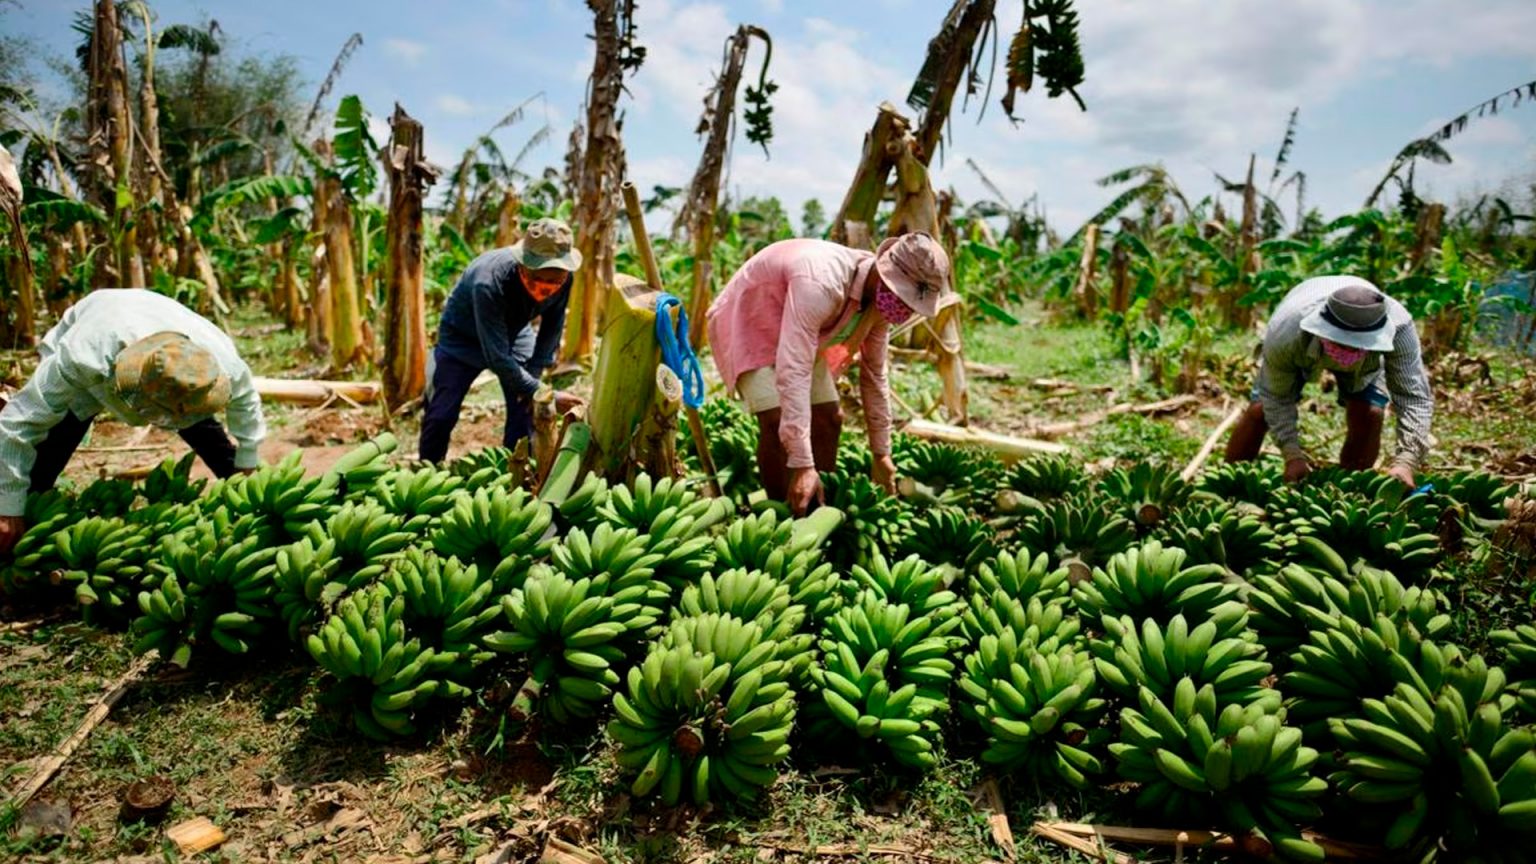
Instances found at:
x=1355 y=316
x=547 y=243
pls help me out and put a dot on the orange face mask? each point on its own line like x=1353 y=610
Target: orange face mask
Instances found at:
x=539 y=291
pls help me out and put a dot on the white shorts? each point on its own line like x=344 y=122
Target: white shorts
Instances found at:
x=760 y=390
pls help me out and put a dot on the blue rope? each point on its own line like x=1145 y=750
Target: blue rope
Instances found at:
x=676 y=351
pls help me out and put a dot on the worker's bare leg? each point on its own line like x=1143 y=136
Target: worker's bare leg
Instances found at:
x=1362 y=435
x=771 y=459
x=1248 y=435
x=826 y=431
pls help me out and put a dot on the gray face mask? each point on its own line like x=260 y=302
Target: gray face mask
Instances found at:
x=151 y=413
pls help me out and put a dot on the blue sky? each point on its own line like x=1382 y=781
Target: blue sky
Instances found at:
x=1196 y=84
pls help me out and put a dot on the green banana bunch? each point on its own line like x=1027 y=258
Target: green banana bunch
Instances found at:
x=306 y=583
x=367 y=538
x=876 y=522
x=1147 y=493
x=1349 y=661
x=787 y=550
x=417 y=497
x=1041 y=716
x=355 y=474
x=1239 y=764
x=884 y=675
x=484 y=468
x=707 y=715
x=948 y=538
x=583 y=507
x=912 y=581
x=502 y=533
x=1437 y=755
x=448 y=605
x=381 y=675
x=1076 y=533
x=104 y=559
x=163 y=518
x=1129 y=657
x=107 y=497
x=34 y=555
x=1519 y=646
x=957 y=477
x=1250 y=483
x=997 y=652
x=1480 y=494
x=1021 y=574
x=163 y=623
x=1217 y=533
x=1047 y=625
x=617 y=562
x=733 y=444
x=281 y=499
x=1375 y=533
x=750 y=595
x=171 y=482
x=351 y=548
x=1151 y=580
x=1030 y=483
x=571 y=631
x=1294 y=601
x=224 y=571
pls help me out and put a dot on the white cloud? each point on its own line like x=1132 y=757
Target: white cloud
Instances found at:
x=773 y=7
x=407 y=50
x=454 y=105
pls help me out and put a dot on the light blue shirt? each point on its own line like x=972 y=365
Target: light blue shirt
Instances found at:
x=76 y=376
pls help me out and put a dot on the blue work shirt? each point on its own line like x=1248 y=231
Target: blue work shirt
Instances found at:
x=487 y=310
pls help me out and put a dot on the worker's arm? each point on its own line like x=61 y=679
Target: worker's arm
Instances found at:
x=246 y=424
x=874 y=386
x=496 y=340
x=807 y=305
x=875 y=393
x=24 y=423
x=551 y=328
x=1279 y=383
x=1412 y=399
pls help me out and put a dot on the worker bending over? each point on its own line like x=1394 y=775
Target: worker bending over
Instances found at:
x=1368 y=341
x=792 y=320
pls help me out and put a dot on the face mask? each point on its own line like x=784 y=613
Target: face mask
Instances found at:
x=890 y=306
x=539 y=291
x=1343 y=354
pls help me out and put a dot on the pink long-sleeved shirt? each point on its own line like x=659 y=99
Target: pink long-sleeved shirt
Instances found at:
x=787 y=304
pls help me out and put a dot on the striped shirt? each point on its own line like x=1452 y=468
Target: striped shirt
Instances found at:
x=1292 y=357
x=76 y=376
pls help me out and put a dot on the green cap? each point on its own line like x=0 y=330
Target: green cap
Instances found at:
x=169 y=375
x=547 y=243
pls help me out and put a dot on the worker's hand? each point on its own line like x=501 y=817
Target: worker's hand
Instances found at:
x=1297 y=469
x=11 y=529
x=245 y=470
x=804 y=489
x=883 y=471
x=1402 y=474
x=567 y=402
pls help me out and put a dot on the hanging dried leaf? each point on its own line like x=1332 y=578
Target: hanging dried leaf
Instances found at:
x=1021 y=63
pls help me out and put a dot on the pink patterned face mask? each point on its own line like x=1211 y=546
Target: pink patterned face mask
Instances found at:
x=891 y=308
x=1343 y=355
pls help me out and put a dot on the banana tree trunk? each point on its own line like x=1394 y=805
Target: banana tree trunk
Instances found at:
x=347 y=345
x=110 y=135
x=22 y=284
x=507 y=231
x=1237 y=314
x=624 y=379
x=957 y=63
x=319 y=278
x=598 y=188
x=699 y=210
x=151 y=238
x=864 y=195
x=1084 y=292
x=405 y=310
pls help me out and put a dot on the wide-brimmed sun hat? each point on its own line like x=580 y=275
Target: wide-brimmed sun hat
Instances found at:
x=171 y=373
x=1355 y=316
x=547 y=243
x=915 y=267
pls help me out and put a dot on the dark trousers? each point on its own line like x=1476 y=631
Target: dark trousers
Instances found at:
x=207 y=439
x=450 y=382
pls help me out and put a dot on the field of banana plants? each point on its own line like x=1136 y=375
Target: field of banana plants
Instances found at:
x=1277 y=662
